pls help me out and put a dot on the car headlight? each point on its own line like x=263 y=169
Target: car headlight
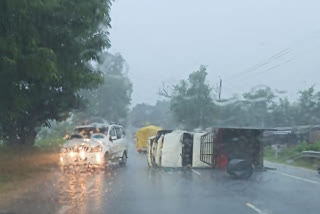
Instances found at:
x=83 y=155
x=98 y=158
x=72 y=154
x=96 y=149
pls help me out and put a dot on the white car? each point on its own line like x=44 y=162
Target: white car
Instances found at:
x=95 y=146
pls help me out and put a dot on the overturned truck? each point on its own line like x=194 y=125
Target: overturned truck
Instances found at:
x=239 y=150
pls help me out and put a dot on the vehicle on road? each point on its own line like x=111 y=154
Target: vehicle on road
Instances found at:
x=237 y=150
x=175 y=149
x=94 y=146
x=142 y=136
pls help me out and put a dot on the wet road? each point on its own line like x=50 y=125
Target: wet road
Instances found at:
x=139 y=189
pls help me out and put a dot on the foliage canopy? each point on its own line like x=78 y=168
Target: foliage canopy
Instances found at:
x=46 y=47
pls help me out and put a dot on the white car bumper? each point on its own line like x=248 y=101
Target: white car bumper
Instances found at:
x=92 y=159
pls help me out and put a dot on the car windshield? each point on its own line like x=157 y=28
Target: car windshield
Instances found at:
x=97 y=136
x=76 y=136
x=160 y=106
x=88 y=131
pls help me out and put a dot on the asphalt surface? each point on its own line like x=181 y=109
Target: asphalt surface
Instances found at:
x=136 y=188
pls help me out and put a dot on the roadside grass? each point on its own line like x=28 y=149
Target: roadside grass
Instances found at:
x=20 y=163
x=52 y=143
x=24 y=165
x=284 y=156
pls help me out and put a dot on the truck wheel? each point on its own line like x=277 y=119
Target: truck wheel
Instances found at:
x=240 y=168
x=124 y=159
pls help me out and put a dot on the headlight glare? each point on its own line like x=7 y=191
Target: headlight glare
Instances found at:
x=96 y=149
x=82 y=155
x=72 y=154
x=98 y=158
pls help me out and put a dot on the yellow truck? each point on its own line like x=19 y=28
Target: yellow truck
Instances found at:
x=143 y=135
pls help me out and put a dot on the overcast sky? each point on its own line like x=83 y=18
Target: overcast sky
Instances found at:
x=247 y=43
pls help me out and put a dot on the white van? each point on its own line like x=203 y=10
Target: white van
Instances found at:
x=175 y=149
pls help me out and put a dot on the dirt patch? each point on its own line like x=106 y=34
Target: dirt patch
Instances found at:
x=23 y=168
x=16 y=188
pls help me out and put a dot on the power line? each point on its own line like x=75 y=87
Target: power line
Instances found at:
x=268 y=61
x=261 y=64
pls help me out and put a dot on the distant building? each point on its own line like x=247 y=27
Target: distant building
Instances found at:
x=292 y=135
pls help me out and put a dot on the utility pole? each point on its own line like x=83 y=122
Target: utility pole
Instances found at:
x=220 y=88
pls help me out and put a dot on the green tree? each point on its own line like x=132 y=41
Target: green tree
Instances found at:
x=191 y=101
x=231 y=112
x=283 y=113
x=308 y=107
x=46 y=47
x=251 y=110
x=111 y=100
x=141 y=114
x=259 y=104
x=158 y=114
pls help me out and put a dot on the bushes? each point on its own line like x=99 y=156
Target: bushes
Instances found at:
x=268 y=151
x=304 y=146
x=314 y=147
x=50 y=141
x=270 y=154
x=54 y=136
x=307 y=147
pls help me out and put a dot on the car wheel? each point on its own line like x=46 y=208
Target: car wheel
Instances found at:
x=106 y=160
x=124 y=159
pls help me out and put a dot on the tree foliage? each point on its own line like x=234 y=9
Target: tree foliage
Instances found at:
x=191 y=101
x=193 y=106
x=262 y=108
x=45 y=50
x=158 y=114
x=111 y=100
x=259 y=103
x=307 y=108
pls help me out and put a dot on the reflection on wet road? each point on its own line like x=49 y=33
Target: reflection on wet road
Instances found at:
x=85 y=192
x=79 y=189
x=136 y=188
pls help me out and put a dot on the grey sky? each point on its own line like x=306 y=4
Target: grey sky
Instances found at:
x=165 y=40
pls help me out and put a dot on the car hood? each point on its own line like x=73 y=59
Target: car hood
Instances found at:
x=81 y=142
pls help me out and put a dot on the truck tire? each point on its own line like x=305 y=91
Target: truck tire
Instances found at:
x=240 y=169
